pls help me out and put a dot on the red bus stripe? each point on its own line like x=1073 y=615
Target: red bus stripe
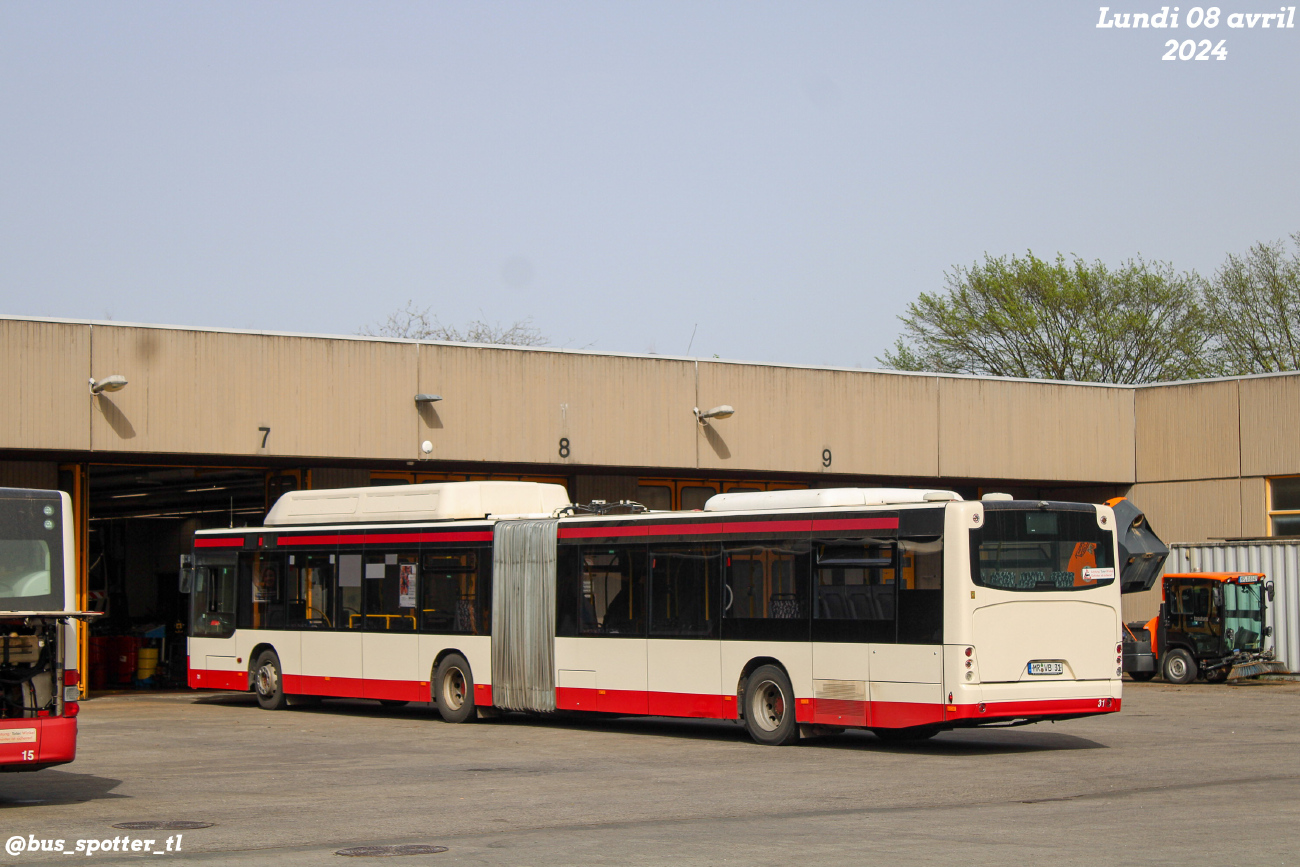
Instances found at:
x=856 y=524
x=767 y=526
x=381 y=538
x=202 y=542
x=600 y=532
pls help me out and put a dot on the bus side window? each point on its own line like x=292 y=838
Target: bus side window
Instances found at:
x=765 y=590
x=684 y=590
x=261 y=590
x=612 y=591
x=920 y=599
x=349 y=604
x=389 y=588
x=455 y=591
x=855 y=585
x=568 y=580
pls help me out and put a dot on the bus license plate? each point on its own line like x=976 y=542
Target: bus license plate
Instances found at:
x=1046 y=668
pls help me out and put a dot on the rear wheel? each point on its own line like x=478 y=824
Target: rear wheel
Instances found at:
x=1179 y=667
x=453 y=689
x=769 y=707
x=268 y=681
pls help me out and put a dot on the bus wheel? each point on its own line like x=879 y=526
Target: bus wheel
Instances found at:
x=268 y=683
x=453 y=689
x=1179 y=667
x=769 y=707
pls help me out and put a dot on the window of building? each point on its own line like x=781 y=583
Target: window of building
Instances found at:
x=1284 y=506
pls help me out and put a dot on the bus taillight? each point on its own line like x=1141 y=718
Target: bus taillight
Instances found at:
x=71 y=709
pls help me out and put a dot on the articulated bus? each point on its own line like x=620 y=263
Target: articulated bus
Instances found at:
x=38 y=646
x=901 y=611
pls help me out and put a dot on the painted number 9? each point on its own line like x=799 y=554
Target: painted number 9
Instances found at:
x=564 y=447
x=826 y=457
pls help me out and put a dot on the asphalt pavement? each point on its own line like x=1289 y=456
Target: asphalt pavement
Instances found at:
x=1203 y=774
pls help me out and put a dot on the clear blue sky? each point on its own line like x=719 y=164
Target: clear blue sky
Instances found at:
x=786 y=175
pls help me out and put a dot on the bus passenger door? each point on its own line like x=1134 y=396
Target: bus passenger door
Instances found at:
x=331 y=656
x=600 y=644
x=389 y=645
x=907 y=676
x=684 y=653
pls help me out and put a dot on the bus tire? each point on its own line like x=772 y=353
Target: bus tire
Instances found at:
x=769 y=707
x=268 y=681
x=453 y=689
x=1178 y=666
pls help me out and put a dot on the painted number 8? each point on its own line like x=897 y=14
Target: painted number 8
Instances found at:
x=564 y=447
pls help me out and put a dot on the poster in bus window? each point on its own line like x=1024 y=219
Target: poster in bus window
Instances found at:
x=406 y=586
x=266 y=586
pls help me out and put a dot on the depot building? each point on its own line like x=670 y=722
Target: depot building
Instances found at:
x=157 y=432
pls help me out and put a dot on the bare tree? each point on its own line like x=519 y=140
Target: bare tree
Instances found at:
x=415 y=323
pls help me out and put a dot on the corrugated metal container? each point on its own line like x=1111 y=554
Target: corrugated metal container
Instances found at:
x=1280 y=561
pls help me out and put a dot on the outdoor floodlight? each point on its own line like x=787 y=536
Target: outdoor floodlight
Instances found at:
x=724 y=411
x=428 y=398
x=116 y=382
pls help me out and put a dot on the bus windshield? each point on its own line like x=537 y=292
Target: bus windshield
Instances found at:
x=31 y=554
x=1038 y=550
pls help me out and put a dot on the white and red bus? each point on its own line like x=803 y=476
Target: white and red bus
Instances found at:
x=38 y=647
x=906 y=612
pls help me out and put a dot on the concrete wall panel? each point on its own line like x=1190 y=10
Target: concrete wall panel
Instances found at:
x=44 y=386
x=1022 y=430
x=1187 y=432
x=1191 y=511
x=207 y=392
x=787 y=418
x=1270 y=414
x=514 y=405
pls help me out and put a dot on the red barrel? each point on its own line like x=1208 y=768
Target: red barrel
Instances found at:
x=125 y=650
x=101 y=650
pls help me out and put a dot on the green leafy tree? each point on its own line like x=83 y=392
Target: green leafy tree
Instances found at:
x=1075 y=320
x=1253 y=305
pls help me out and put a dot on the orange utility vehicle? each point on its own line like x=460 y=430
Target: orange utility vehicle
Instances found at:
x=1210 y=624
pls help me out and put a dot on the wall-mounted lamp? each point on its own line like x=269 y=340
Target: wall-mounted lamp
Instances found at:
x=116 y=382
x=428 y=398
x=723 y=411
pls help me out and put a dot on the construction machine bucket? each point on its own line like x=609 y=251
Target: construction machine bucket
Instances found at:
x=1141 y=553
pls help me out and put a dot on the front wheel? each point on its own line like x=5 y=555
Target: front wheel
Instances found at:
x=453 y=689
x=1179 y=667
x=769 y=707
x=268 y=681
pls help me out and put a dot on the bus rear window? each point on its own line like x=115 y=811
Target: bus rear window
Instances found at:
x=1041 y=551
x=31 y=554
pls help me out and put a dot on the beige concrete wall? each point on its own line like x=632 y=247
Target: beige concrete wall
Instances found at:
x=44 y=385
x=207 y=392
x=1191 y=511
x=1270 y=416
x=1254 y=507
x=787 y=418
x=1025 y=430
x=513 y=405
x=1188 y=432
